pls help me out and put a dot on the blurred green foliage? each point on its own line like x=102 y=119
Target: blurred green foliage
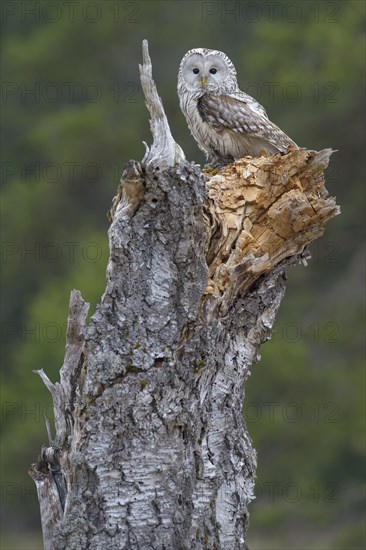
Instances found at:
x=73 y=113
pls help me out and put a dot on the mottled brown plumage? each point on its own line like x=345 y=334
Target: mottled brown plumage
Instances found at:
x=226 y=122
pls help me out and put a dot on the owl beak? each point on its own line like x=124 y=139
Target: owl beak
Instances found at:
x=203 y=80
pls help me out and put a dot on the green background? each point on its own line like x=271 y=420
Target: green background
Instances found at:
x=72 y=114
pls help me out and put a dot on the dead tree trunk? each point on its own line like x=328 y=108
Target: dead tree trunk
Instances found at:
x=151 y=448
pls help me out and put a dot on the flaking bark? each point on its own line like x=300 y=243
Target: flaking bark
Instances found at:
x=151 y=448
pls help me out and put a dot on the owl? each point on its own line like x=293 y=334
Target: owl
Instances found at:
x=227 y=123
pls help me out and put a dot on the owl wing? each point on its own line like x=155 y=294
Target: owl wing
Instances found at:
x=249 y=101
x=241 y=114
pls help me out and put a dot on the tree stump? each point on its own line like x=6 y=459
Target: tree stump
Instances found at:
x=151 y=448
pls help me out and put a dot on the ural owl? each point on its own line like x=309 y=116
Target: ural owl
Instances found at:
x=226 y=122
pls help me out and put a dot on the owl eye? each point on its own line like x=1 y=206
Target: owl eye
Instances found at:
x=196 y=71
x=213 y=70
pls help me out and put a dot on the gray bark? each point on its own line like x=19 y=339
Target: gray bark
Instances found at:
x=151 y=448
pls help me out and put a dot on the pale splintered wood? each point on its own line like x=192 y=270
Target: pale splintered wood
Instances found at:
x=164 y=151
x=260 y=211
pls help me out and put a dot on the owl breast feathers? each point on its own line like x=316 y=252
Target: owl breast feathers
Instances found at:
x=226 y=122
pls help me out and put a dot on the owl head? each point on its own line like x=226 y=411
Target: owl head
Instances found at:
x=203 y=70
